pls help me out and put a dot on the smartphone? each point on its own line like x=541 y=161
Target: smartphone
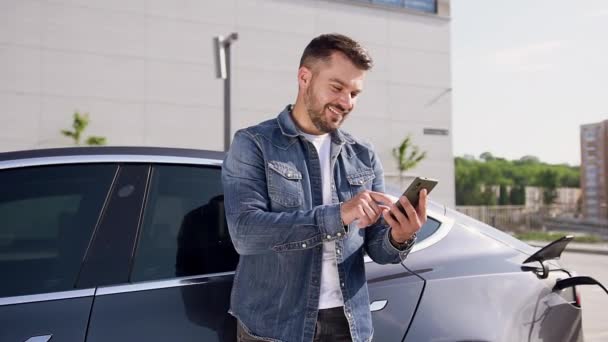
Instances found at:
x=413 y=191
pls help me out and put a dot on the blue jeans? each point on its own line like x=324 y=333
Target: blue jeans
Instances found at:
x=332 y=326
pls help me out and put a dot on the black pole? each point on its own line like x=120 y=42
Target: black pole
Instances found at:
x=227 y=100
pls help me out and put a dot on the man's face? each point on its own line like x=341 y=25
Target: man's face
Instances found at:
x=332 y=92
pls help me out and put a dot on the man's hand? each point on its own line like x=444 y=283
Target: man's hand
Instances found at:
x=367 y=207
x=364 y=207
x=404 y=227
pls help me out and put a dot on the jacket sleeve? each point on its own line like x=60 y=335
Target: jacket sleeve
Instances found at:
x=253 y=228
x=377 y=243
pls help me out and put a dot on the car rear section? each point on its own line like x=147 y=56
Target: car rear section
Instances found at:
x=478 y=286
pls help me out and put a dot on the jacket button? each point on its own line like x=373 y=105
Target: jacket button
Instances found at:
x=329 y=236
x=339 y=234
x=303 y=245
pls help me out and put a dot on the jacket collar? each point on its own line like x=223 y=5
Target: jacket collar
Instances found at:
x=289 y=128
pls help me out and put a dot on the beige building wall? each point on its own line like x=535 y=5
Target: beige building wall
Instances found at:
x=144 y=70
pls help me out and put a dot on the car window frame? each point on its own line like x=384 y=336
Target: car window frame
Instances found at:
x=74 y=292
x=116 y=159
x=96 y=274
x=174 y=280
x=445 y=225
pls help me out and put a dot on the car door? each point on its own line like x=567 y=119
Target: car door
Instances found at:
x=48 y=215
x=182 y=268
x=395 y=291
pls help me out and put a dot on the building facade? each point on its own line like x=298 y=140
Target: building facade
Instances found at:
x=144 y=70
x=566 y=198
x=594 y=170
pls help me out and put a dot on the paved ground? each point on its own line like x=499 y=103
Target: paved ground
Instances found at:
x=594 y=300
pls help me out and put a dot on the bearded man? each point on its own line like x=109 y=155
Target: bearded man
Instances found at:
x=304 y=203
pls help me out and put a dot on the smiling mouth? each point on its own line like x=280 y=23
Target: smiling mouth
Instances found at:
x=335 y=111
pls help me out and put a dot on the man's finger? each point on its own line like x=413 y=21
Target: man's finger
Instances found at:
x=393 y=198
x=398 y=215
x=369 y=211
x=386 y=213
x=380 y=197
x=384 y=207
x=422 y=205
x=409 y=208
x=375 y=207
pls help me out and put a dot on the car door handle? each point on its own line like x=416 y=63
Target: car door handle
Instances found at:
x=40 y=338
x=378 y=305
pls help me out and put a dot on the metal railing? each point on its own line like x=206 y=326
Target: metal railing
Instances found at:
x=518 y=217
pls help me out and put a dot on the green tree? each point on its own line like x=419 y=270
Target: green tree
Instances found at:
x=569 y=176
x=486 y=156
x=474 y=175
x=503 y=198
x=529 y=159
x=468 y=182
x=407 y=156
x=517 y=195
x=548 y=179
x=79 y=124
x=488 y=196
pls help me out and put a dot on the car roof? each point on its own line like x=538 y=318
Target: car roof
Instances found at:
x=111 y=151
x=97 y=154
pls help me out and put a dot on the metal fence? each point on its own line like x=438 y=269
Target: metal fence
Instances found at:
x=517 y=217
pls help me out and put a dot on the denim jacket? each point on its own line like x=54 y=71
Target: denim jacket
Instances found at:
x=277 y=222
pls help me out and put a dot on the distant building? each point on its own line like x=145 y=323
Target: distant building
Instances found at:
x=594 y=170
x=566 y=197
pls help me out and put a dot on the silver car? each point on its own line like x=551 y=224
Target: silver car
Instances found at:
x=131 y=244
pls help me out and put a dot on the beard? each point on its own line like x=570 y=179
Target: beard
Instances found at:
x=316 y=112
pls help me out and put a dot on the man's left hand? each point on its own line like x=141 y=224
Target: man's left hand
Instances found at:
x=404 y=227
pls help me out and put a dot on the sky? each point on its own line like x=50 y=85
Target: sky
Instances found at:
x=526 y=75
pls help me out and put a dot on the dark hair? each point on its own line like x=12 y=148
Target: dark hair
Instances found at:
x=321 y=48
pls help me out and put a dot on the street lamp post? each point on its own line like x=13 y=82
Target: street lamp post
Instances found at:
x=222 y=70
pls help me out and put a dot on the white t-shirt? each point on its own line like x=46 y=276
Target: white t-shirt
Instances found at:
x=331 y=295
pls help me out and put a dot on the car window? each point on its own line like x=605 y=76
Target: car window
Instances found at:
x=47 y=218
x=430 y=226
x=184 y=231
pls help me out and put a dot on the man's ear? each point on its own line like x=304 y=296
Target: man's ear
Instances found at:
x=304 y=77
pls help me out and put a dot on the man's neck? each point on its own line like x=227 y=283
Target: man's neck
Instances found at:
x=302 y=120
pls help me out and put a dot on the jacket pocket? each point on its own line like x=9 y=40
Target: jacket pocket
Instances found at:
x=361 y=177
x=284 y=184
